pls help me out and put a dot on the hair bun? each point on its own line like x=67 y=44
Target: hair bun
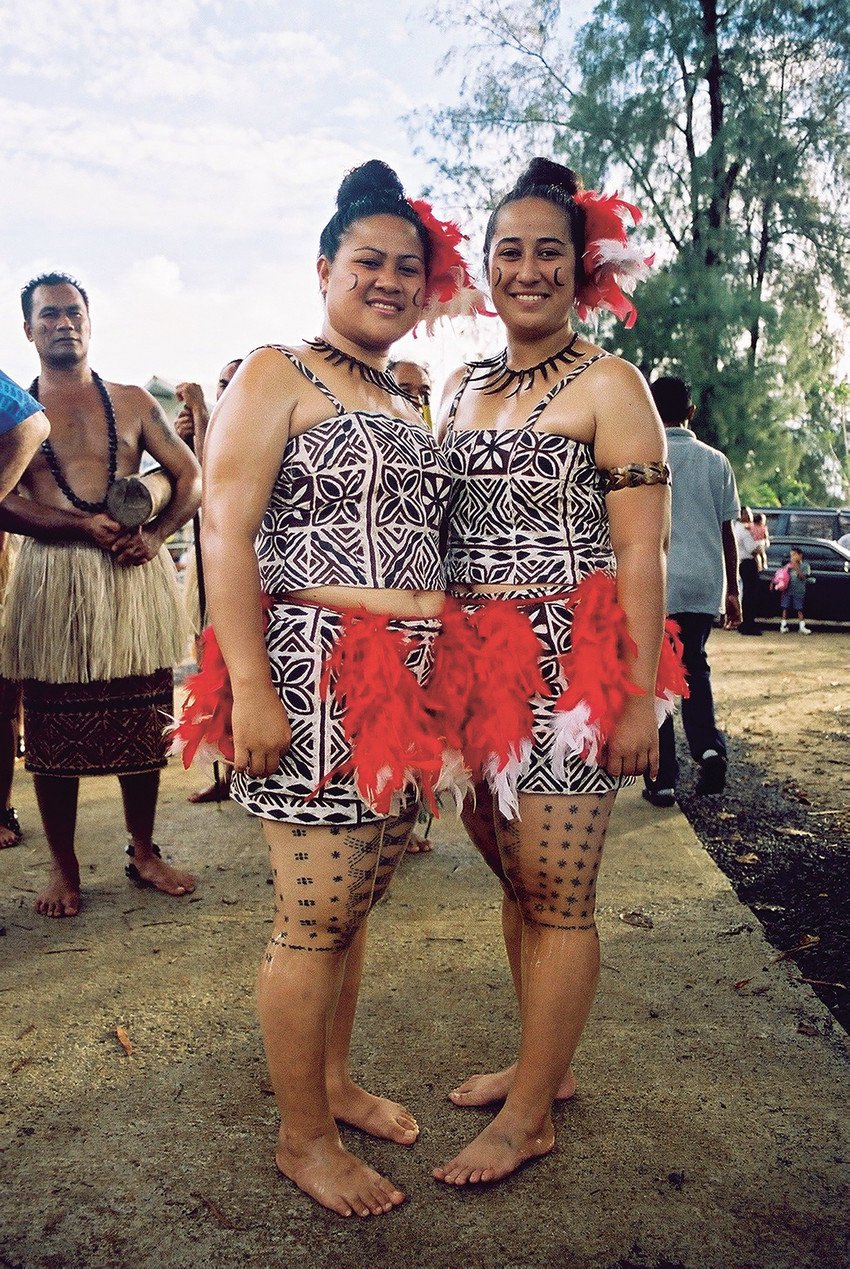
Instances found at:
x=370 y=178
x=543 y=172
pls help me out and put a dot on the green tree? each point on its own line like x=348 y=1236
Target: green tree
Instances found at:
x=729 y=125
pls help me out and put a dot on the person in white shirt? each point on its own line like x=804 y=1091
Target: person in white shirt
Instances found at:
x=749 y=547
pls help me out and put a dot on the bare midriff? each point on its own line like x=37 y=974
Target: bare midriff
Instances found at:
x=479 y=588
x=406 y=604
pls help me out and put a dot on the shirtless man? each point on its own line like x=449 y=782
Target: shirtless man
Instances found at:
x=93 y=616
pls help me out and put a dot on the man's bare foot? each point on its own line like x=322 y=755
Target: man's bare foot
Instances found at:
x=378 y=1116
x=209 y=794
x=149 y=870
x=10 y=827
x=8 y=837
x=483 y=1090
x=418 y=845
x=60 y=897
x=497 y=1151
x=328 y=1173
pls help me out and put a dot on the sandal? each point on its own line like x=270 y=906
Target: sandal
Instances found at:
x=9 y=819
x=131 y=871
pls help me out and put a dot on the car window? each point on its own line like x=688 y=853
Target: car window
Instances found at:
x=824 y=560
x=810 y=524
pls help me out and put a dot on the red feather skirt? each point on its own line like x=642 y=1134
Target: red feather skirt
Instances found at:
x=473 y=716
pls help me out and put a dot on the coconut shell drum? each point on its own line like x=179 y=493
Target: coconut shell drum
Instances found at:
x=135 y=500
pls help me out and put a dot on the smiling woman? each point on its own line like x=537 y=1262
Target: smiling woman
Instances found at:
x=557 y=535
x=316 y=455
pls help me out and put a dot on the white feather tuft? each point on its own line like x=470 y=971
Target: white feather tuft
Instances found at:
x=455 y=779
x=575 y=737
x=625 y=261
x=503 y=783
x=665 y=706
x=466 y=301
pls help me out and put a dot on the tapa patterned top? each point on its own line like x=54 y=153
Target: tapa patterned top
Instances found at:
x=359 y=501
x=526 y=506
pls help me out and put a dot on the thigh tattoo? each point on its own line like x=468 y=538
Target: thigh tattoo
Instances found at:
x=551 y=858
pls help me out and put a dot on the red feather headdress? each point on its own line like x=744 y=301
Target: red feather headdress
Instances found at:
x=451 y=291
x=612 y=267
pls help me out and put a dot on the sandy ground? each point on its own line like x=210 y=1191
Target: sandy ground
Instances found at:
x=710 y=1128
x=788 y=696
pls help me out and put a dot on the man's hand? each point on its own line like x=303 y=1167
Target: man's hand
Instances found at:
x=191 y=422
x=732 y=618
x=136 y=546
x=104 y=531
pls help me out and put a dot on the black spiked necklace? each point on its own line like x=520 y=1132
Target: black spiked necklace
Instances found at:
x=380 y=378
x=494 y=375
x=112 y=433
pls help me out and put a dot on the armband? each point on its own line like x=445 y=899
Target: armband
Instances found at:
x=635 y=474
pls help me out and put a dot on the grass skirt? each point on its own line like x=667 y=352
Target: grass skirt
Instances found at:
x=72 y=615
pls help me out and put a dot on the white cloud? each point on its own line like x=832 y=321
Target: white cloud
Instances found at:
x=181 y=156
x=157 y=275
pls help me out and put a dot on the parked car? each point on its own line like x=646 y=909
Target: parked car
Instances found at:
x=828 y=592
x=807 y=522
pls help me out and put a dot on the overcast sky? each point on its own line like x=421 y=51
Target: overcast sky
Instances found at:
x=181 y=156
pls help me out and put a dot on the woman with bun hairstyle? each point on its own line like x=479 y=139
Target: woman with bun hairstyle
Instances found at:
x=557 y=530
x=324 y=496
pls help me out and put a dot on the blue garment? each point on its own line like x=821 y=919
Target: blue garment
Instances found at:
x=704 y=496
x=15 y=404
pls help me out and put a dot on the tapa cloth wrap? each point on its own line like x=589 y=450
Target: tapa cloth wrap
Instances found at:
x=104 y=728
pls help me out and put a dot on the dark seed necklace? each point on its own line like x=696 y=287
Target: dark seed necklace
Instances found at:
x=494 y=375
x=380 y=378
x=112 y=433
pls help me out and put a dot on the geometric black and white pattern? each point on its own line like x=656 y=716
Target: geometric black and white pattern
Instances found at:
x=359 y=501
x=526 y=506
x=298 y=639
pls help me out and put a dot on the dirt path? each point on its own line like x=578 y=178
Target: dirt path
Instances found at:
x=707 y=1132
x=781 y=832
x=788 y=698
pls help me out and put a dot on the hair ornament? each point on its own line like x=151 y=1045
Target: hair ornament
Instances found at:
x=612 y=266
x=451 y=291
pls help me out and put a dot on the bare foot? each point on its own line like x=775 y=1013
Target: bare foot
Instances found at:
x=149 y=870
x=418 y=845
x=378 y=1116
x=8 y=837
x=209 y=793
x=60 y=897
x=497 y=1151
x=325 y=1170
x=483 y=1090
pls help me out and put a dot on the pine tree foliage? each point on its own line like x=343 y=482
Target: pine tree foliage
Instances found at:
x=728 y=122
